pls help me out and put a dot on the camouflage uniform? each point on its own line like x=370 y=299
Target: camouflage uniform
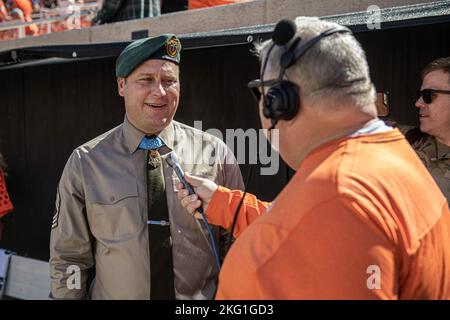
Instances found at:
x=434 y=155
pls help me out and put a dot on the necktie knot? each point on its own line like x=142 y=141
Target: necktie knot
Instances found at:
x=151 y=143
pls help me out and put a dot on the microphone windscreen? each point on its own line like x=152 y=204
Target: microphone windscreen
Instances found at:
x=283 y=32
x=172 y=159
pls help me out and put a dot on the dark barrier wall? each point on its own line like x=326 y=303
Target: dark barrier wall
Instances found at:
x=48 y=109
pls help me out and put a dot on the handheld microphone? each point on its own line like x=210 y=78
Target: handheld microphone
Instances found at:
x=172 y=161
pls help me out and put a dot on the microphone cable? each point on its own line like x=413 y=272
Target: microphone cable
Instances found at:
x=247 y=180
x=236 y=213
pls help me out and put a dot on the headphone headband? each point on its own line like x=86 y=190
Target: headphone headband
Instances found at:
x=291 y=56
x=282 y=100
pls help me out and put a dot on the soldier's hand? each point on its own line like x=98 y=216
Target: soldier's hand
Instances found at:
x=204 y=190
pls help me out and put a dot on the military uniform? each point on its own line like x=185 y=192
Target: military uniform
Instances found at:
x=102 y=211
x=117 y=210
x=434 y=155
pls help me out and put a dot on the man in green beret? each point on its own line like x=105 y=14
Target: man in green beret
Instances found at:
x=116 y=208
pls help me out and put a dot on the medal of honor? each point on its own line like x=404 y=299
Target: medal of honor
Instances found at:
x=154 y=158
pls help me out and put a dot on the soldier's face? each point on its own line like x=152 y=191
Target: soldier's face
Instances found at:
x=435 y=116
x=151 y=93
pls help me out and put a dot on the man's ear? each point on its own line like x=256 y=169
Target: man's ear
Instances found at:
x=121 y=82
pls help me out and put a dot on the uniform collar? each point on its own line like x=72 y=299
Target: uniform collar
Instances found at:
x=133 y=135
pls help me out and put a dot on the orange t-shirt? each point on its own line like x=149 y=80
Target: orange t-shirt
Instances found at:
x=197 y=4
x=361 y=219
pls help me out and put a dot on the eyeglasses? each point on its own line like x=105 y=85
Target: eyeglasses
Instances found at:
x=256 y=85
x=428 y=94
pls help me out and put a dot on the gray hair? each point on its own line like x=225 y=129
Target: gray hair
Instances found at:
x=334 y=68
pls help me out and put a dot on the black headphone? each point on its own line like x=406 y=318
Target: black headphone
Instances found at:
x=282 y=100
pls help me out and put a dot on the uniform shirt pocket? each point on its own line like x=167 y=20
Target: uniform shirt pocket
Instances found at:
x=113 y=209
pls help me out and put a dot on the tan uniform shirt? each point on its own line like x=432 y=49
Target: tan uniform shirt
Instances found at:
x=436 y=157
x=101 y=215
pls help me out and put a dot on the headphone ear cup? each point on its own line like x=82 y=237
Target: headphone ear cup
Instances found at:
x=291 y=100
x=267 y=108
x=282 y=101
x=274 y=103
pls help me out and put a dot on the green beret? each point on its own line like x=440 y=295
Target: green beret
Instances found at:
x=166 y=47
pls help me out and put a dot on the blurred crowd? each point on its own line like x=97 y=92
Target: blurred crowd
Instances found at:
x=21 y=18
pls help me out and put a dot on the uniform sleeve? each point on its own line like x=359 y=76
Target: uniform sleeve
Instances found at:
x=225 y=202
x=230 y=175
x=70 y=240
x=335 y=251
x=223 y=206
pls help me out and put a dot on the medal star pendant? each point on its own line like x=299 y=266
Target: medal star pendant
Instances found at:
x=154 y=158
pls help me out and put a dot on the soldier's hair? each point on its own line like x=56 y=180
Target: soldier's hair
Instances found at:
x=334 y=67
x=438 y=64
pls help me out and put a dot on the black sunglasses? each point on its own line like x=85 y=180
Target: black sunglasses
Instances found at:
x=256 y=86
x=428 y=94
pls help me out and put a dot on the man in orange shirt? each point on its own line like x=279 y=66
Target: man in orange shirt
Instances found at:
x=362 y=218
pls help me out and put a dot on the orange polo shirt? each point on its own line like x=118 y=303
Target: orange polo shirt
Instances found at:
x=361 y=219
